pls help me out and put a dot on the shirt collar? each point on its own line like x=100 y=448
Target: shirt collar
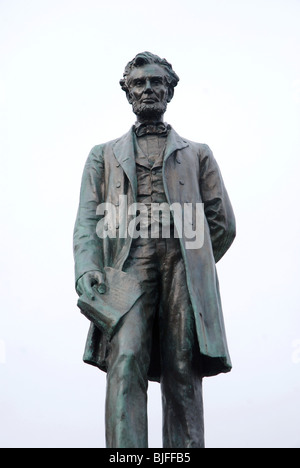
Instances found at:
x=155 y=128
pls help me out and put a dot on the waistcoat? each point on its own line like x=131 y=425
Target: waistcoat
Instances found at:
x=149 y=153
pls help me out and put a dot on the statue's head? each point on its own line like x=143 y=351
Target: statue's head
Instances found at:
x=149 y=83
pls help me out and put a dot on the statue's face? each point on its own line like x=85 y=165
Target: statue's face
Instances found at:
x=148 y=91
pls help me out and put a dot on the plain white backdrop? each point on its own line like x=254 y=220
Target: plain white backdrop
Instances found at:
x=239 y=92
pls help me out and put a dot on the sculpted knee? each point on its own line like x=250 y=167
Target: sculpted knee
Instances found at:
x=126 y=363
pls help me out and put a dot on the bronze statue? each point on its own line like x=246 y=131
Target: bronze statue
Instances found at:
x=153 y=298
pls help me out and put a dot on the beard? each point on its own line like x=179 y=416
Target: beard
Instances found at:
x=149 y=111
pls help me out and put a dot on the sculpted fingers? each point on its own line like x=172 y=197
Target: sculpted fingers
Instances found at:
x=87 y=282
x=101 y=286
x=87 y=285
x=79 y=287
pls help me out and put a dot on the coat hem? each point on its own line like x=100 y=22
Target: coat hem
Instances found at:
x=215 y=366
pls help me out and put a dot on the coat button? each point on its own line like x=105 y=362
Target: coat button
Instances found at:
x=181 y=182
x=118 y=185
x=118 y=165
x=178 y=161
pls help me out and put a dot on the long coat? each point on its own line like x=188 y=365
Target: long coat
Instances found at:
x=190 y=174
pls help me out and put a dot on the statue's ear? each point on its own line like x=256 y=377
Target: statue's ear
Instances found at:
x=170 y=94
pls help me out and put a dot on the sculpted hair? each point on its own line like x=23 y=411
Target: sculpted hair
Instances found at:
x=145 y=58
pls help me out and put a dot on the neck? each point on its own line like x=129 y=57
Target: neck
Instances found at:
x=150 y=120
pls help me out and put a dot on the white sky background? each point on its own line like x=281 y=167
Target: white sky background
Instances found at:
x=239 y=92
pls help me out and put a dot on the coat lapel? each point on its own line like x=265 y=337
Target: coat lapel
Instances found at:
x=174 y=143
x=124 y=152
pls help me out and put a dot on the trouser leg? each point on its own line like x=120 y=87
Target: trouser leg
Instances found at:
x=128 y=364
x=181 y=382
x=127 y=382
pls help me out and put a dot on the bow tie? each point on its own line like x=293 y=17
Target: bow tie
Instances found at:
x=152 y=129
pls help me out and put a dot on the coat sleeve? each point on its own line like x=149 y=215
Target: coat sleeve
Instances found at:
x=87 y=245
x=217 y=206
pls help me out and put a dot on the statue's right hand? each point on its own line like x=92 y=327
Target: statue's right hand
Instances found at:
x=87 y=282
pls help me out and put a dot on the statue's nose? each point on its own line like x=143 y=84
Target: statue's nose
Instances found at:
x=148 y=87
